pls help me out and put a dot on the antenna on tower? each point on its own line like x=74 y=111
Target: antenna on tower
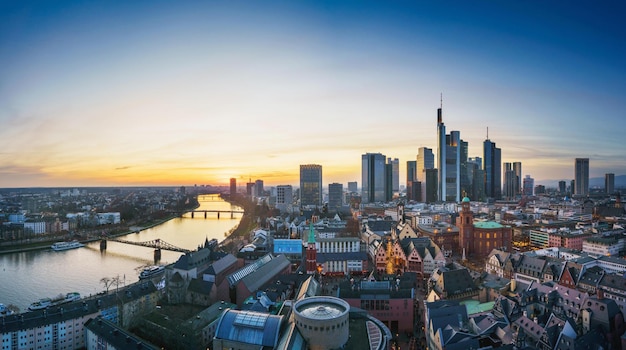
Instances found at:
x=487 y=133
x=441 y=100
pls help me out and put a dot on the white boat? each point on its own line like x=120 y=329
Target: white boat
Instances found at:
x=4 y=311
x=58 y=246
x=47 y=302
x=151 y=271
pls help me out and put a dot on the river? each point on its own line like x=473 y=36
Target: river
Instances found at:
x=28 y=276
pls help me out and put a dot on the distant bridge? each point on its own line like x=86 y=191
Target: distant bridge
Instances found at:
x=155 y=243
x=193 y=212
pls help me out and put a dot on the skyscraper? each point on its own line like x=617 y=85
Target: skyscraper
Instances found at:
x=310 y=184
x=609 y=183
x=509 y=181
x=448 y=162
x=258 y=185
x=233 y=186
x=529 y=185
x=335 y=196
x=581 y=176
x=425 y=161
x=562 y=187
x=517 y=169
x=395 y=174
x=411 y=173
x=352 y=186
x=372 y=178
x=476 y=178
x=492 y=166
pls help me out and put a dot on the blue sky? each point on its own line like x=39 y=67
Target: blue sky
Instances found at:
x=177 y=93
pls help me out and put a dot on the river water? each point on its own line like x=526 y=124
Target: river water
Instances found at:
x=29 y=276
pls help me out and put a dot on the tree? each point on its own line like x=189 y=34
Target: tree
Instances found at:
x=109 y=281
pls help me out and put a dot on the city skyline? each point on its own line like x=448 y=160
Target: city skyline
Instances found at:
x=119 y=94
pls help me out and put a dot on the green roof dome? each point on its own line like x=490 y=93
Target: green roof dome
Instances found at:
x=465 y=199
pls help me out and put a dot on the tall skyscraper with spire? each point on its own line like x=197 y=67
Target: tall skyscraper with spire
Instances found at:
x=448 y=161
x=492 y=157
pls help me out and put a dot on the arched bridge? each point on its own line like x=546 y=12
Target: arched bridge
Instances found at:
x=155 y=243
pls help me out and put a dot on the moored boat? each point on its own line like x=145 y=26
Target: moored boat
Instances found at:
x=5 y=311
x=47 y=302
x=58 y=246
x=151 y=271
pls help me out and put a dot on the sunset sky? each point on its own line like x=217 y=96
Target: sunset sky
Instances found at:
x=108 y=93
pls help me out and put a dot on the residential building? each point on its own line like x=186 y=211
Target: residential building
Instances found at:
x=103 y=334
x=310 y=185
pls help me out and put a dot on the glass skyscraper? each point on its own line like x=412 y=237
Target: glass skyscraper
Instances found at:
x=493 y=170
x=310 y=184
x=581 y=176
x=373 y=178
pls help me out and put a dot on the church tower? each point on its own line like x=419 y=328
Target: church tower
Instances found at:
x=311 y=252
x=465 y=223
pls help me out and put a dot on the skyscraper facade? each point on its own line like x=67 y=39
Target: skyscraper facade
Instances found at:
x=476 y=178
x=335 y=196
x=430 y=186
x=562 y=187
x=492 y=166
x=509 y=181
x=609 y=183
x=352 y=186
x=310 y=184
x=372 y=177
x=448 y=162
x=425 y=160
x=581 y=176
x=258 y=186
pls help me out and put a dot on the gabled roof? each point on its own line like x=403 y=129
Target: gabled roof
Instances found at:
x=222 y=264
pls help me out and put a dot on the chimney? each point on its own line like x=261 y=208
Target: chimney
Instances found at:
x=600 y=294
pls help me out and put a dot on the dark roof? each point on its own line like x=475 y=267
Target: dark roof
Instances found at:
x=457 y=281
x=116 y=336
x=191 y=260
x=380 y=225
x=200 y=286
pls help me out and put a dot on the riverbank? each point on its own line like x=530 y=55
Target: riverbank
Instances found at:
x=238 y=236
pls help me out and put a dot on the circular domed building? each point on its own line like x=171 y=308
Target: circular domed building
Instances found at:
x=323 y=322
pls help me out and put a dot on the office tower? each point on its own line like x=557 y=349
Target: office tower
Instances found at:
x=411 y=171
x=258 y=186
x=372 y=178
x=388 y=181
x=425 y=160
x=448 y=162
x=352 y=186
x=492 y=166
x=430 y=186
x=476 y=179
x=517 y=169
x=310 y=184
x=335 y=196
x=540 y=189
x=572 y=186
x=395 y=174
x=562 y=187
x=250 y=188
x=466 y=185
x=609 y=183
x=233 y=186
x=509 y=181
x=284 y=198
x=581 y=176
x=529 y=185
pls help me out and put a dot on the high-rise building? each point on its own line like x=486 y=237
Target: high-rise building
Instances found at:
x=492 y=159
x=373 y=178
x=395 y=174
x=284 y=198
x=233 y=186
x=250 y=188
x=388 y=181
x=335 y=196
x=352 y=186
x=609 y=183
x=562 y=187
x=466 y=185
x=517 y=169
x=425 y=160
x=572 y=186
x=476 y=178
x=310 y=184
x=411 y=173
x=581 y=176
x=448 y=162
x=509 y=181
x=529 y=185
x=430 y=186
x=258 y=186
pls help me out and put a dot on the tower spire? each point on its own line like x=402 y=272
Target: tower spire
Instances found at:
x=487 y=133
x=441 y=100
